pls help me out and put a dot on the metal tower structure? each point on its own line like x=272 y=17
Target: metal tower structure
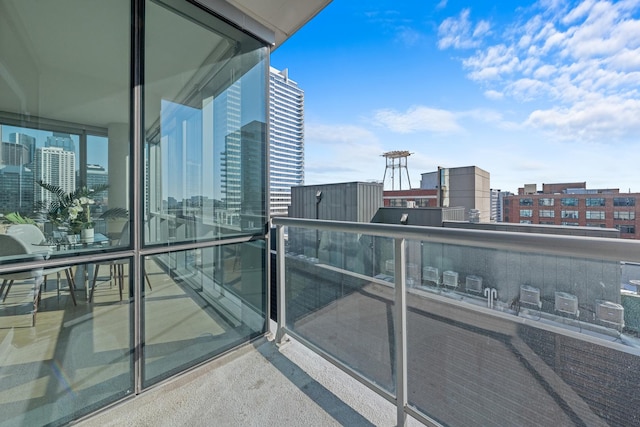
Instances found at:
x=396 y=160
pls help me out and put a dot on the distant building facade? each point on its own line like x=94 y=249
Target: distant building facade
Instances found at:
x=573 y=204
x=286 y=139
x=467 y=187
x=55 y=166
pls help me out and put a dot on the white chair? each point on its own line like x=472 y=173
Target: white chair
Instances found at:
x=35 y=241
x=13 y=247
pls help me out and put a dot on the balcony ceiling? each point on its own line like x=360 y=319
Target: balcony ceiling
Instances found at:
x=284 y=17
x=60 y=75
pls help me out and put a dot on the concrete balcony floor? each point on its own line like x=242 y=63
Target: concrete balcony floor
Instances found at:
x=259 y=384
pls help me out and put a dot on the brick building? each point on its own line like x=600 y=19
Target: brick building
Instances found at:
x=572 y=204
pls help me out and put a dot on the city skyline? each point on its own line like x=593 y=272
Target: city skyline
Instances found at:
x=533 y=92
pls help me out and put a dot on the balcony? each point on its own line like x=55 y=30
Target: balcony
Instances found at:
x=468 y=327
x=383 y=325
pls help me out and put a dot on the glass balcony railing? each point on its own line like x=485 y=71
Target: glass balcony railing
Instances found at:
x=469 y=327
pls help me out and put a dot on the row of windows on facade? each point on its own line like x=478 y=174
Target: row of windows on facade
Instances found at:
x=572 y=201
x=528 y=213
x=624 y=229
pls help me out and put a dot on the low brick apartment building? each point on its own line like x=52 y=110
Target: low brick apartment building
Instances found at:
x=572 y=204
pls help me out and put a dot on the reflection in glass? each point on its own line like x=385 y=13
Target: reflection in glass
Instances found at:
x=62 y=356
x=203 y=302
x=205 y=136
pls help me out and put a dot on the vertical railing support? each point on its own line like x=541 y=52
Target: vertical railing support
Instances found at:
x=401 y=331
x=280 y=279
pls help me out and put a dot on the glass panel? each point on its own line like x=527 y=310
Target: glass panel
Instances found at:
x=63 y=356
x=205 y=127
x=494 y=332
x=64 y=117
x=342 y=299
x=200 y=303
x=64 y=104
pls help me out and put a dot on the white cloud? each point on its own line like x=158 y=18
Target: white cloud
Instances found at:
x=608 y=119
x=408 y=36
x=418 y=118
x=567 y=55
x=493 y=94
x=442 y=4
x=460 y=33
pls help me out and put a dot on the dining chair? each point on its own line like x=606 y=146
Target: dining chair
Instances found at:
x=14 y=247
x=35 y=241
x=116 y=267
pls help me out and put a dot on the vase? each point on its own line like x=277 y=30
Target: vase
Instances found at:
x=86 y=235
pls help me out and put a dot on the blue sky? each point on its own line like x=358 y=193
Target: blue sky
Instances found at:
x=532 y=92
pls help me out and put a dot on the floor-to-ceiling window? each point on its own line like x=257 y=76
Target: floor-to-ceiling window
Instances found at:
x=65 y=331
x=204 y=181
x=114 y=239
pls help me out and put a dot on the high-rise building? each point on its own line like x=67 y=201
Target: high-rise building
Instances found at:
x=27 y=141
x=55 y=166
x=61 y=140
x=16 y=189
x=286 y=147
x=228 y=136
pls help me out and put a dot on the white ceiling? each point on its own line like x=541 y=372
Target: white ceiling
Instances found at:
x=284 y=17
x=68 y=60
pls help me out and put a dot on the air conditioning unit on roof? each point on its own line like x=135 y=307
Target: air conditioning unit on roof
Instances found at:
x=431 y=274
x=450 y=278
x=530 y=295
x=473 y=283
x=610 y=312
x=566 y=303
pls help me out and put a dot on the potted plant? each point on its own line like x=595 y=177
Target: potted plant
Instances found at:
x=73 y=210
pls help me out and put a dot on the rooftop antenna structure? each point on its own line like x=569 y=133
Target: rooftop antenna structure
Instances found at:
x=396 y=160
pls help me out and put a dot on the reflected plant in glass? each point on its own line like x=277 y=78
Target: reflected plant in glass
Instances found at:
x=71 y=210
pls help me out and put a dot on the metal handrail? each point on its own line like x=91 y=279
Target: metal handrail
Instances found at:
x=607 y=249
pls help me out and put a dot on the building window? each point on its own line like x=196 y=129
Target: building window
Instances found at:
x=570 y=214
x=624 y=201
x=594 y=201
x=595 y=224
x=525 y=221
x=547 y=223
x=526 y=213
x=572 y=224
x=545 y=202
x=624 y=215
x=526 y=202
x=594 y=215
x=546 y=214
x=569 y=201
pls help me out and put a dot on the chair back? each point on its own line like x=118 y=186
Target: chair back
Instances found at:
x=28 y=233
x=12 y=246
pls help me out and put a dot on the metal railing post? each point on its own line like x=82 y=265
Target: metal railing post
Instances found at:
x=401 y=331
x=280 y=279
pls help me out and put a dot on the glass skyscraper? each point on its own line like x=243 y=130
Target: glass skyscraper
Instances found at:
x=286 y=162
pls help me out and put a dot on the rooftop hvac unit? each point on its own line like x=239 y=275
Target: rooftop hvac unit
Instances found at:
x=430 y=274
x=530 y=296
x=390 y=266
x=473 y=284
x=450 y=278
x=566 y=303
x=610 y=312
